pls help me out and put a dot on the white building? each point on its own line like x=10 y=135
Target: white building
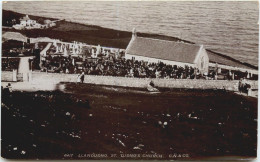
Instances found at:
x=49 y=23
x=26 y=21
x=168 y=52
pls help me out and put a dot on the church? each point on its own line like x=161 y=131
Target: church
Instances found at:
x=169 y=52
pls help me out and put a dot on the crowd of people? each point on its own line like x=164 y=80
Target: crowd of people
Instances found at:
x=10 y=64
x=111 y=66
x=13 y=48
x=115 y=67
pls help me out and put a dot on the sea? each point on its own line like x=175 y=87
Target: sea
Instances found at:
x=230 y=28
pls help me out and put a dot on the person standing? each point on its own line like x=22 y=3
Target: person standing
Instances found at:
x=240 y=85
x=243 y=82
x=229 y=75
x=82 y=77
x=78 y=78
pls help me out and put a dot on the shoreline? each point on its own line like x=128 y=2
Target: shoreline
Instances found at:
x=93 y=34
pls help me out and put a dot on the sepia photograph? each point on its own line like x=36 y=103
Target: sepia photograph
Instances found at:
x=129 y=80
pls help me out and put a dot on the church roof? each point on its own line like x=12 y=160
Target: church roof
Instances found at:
x=163 y=49
x=14 y=36
x=216 y=58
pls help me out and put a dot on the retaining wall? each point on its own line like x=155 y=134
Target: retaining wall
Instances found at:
x=44 y=78
x=6 y=76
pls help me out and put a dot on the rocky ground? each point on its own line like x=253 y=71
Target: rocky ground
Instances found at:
x=97 y=122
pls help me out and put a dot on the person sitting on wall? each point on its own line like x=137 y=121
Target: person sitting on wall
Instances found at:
x=249 y=89
x=151 y=87
x=246 y=87
x=151 y=83
x=6 y=92
x=9 y=87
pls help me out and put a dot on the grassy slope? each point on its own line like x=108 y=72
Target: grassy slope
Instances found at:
x=225 y=124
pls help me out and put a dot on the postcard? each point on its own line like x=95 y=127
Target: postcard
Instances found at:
x=128 y=80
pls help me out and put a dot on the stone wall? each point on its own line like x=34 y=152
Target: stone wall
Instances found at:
x=52 y=78
x=6 y=76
